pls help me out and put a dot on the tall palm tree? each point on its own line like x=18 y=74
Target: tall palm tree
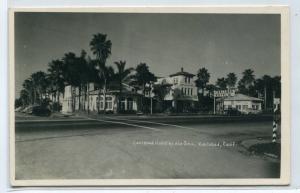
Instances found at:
x=122 y=75
x=101 y=48
x=231 y=80
x=160 y=92
x=142 y=77
x=25 y=98
x=29 y=88
x=72 y=73
x=203 y=77
x=40 y=83
x=56 y=77
x=246 y=82
x=221 y=83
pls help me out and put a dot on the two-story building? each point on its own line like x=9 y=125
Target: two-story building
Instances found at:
x=93 y=100
x=183 y=93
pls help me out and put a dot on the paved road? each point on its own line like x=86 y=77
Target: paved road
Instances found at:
x=128 y=147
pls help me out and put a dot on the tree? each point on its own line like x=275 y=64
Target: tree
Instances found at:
x=202 y=79
x=84 y=75
x=269 y=87
x=122 y=75
x=56 y=77
x=40 y=84
x=143 y=77
x=221 y=83
x=246 y=82
x=71 y=74
x=101 y=48
x=23 y=100
x=30 y=90
x=160 y=92
x=276 y=86
x=231 y=80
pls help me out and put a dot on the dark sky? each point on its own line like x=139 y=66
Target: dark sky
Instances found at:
x=222 y=43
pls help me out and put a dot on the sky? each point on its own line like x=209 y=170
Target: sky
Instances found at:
x=222 y=43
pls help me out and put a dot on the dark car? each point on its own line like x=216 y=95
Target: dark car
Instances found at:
x=232 y=112
x=40 y=111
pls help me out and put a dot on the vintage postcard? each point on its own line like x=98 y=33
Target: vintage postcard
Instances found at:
x=141 y=96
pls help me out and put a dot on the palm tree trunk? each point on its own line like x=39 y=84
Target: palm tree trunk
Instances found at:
x=119 y=98
x=79 y=98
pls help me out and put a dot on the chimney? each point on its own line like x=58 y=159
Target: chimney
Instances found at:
x=181 y=69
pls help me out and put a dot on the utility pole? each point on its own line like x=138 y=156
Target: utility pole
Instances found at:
x=151 y=100
x=265 y=97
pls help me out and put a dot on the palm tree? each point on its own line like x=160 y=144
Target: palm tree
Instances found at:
x=221 y=83
x=121 y=76
x=231 y=80
x=101 y=47
x=24 y=97
x=143 y=77
x=29 y=88
x=56 y=77
x=160 y=92
x=202 y=79
x=72 y=73
x=246 y=82
x=40 y=84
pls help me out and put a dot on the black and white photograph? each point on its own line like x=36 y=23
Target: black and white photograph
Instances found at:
x=119 y=97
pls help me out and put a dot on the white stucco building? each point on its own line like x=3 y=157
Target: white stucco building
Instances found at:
x=93 y=102
x=183 y=92
x=243 y=103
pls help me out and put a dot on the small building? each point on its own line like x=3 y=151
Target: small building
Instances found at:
x=243 y=103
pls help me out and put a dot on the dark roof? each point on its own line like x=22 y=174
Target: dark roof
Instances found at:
x=182 y=72
x=241 y=97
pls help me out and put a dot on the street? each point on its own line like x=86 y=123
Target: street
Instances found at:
x=111 y=147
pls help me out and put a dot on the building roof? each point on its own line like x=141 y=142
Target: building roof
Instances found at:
x=241 y=97
x=114 y=88
x=182 y=72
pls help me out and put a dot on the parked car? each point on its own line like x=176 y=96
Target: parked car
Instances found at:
x=41 y=111
x=232 y=112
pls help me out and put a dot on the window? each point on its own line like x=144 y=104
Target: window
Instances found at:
x=108 y=103
x=238 y=107
x=245 y=107
x=175 y=80
x=191 y=92
x=184 y=91
x=185 y=79
x=189 y=80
